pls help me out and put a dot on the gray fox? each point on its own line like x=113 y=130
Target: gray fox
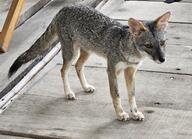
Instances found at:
x=83 y=29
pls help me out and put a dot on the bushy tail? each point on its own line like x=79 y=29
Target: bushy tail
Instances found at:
x=43 y=43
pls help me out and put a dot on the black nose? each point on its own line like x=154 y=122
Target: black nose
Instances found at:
x=161 y=59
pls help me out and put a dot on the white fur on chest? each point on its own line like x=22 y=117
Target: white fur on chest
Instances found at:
x=123 y=65
x=134 y=59
x=120 y=66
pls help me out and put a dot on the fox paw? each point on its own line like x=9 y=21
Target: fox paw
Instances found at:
x=123 y=116
x=70 y=96
x=89 y=89
x=138 y=116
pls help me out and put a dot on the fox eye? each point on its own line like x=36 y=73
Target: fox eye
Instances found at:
x=162 y=43
x=148 y=45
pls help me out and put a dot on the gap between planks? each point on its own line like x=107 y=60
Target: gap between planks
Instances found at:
x=27 y=135
x=152 y=71
x=172 y=22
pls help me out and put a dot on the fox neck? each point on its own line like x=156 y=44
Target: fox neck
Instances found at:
x=130 y=51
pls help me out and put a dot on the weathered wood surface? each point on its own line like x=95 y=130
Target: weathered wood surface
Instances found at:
x=4 y=7
x=185 y=1
x=10 y=24
x=25 y=36
x=149 y=10
x=13 y=15
x=11 y=137
x=165 y=98
x=176 y=88
x=44 y=111
x=31 y=7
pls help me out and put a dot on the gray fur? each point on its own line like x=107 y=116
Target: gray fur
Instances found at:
x=80 y=27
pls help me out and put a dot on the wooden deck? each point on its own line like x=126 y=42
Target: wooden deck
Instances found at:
x=11 y=17
x=163 y=92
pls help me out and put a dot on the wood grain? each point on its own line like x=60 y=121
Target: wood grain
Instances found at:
x=10 y=24
x=150 y=10
x=44 y=111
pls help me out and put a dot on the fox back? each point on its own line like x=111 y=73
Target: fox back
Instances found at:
x=97 y=33
x=90 y=28
x=103 y=35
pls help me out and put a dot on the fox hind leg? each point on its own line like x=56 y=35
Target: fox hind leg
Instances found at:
x=69 y=52
x=79 y=66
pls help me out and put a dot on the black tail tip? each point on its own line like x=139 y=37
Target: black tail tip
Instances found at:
x=11 y=72
x=14 y=68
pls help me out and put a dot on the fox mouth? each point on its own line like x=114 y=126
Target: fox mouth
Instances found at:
x=160 y=61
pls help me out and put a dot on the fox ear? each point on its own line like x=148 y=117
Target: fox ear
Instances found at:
x=135 y=26
x=162 y=21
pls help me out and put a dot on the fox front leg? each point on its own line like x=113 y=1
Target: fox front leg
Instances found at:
x=130 y=83
x=121 y=114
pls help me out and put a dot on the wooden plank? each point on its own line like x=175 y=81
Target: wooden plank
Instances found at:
x=43 y=111
x=11 y=137
x=30 y=8
x=186 y=1
x=10 y=23
x=9 y=96
x=21 y=135
x=149 y=86
x=4 y=8
x=97 y=122
x=150 y=10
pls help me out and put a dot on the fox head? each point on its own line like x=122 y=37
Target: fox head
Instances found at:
x=149 y=37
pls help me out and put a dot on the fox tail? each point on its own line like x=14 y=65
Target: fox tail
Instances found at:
x=44 y=42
